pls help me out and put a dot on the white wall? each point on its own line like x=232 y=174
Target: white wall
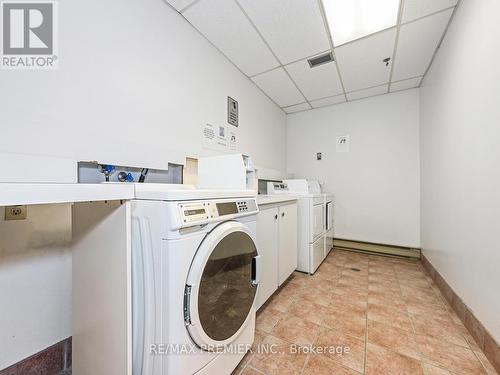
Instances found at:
x=135 y=84
x=376 y=184
x=35 y=281
x=460 y=154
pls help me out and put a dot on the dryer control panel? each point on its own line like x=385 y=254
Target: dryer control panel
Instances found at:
x=194 y=212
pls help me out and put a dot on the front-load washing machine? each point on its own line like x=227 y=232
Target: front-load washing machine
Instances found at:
x=195 y=272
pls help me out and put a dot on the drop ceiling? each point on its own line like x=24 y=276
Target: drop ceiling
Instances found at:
x=270 y=41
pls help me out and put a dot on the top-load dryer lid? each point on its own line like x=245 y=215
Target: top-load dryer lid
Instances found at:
x=178 y=192
x=314 y=187
x=303 y=187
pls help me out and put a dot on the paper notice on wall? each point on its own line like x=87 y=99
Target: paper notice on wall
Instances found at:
x=233 y=140
x=215 y=137
x=343 y=143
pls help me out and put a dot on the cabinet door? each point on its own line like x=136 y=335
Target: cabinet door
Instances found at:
x=267 y=241
x=287 y=256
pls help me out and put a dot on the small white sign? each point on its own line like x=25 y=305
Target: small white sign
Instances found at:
x=343 y=143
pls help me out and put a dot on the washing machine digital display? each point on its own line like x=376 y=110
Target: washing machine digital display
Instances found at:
x=193 y=212
x=200 y=211
x=227 y=208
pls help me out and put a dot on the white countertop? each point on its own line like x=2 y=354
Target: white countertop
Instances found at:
x=45 y=193
x=176 y=192
x=269 y=199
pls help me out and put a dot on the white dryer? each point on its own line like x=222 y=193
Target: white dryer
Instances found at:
x=329 y=222
x=312 y=223
x=195 y=271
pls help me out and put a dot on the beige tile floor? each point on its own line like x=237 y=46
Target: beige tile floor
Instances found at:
x=389 y=314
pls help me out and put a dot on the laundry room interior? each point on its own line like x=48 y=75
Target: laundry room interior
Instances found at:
x=246 y=187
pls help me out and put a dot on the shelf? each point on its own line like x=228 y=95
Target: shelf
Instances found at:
x=46 y=193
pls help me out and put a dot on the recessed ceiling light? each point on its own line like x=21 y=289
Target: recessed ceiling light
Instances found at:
x=353 y=19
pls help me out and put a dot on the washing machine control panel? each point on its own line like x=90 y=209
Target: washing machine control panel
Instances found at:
x=208 y=210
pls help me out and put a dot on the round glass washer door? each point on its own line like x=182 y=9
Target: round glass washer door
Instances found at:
x=221 y=286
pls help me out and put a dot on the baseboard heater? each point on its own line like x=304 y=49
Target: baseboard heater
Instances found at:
x=374 y=248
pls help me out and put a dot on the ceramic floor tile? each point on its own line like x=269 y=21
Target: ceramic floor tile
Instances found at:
x=448 y=356
x=314 y=295
x=348 y=350
x=415 y=283
x=279 y=360
x=390 y=316
x=352 y=282
x=376 y=269
x=382 y=278
x=395 y=339
x=297 y=277
x=352 y=324
x=387 y=299
x=346 y=300
x=282 y=302
x=242 y=365
x=296 y=330
x=250 y=371
x=331 y=267
x=441 y=330
x=321 y=365
x=353 y=309
x=313 y=282
x=386 y=288
x=428 y=300
x=328 y=274
x=267 y=319
x=435 y=311
x=383 y=361
x=433 y=370
x=310 y=311
x=409 y=326
x=351 y=291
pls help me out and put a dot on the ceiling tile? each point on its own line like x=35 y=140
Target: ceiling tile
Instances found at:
x=293 y=28
x=361 y=64
x=297 y=108
x=180 y=4
x=225 y=25
x=317 y=82
x=405 y=84
x=417 y=43
x=279 y=87
x=414 y=9
x=328 y=101
x=367 y=92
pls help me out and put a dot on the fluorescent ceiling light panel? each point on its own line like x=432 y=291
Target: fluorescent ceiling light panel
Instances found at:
x=353 y=19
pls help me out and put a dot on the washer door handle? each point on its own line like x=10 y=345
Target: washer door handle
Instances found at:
x=256 y=269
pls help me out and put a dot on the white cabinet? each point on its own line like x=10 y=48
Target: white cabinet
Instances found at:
x=287 y=247
x=277 y=242
x=267 y=241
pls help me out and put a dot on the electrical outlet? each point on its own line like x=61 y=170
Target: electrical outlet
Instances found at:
x=16 y=212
